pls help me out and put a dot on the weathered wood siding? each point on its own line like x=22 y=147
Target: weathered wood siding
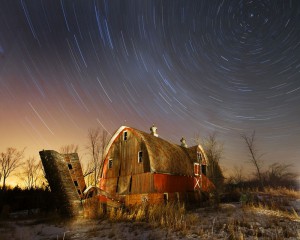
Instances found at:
x=61 y=183
x=126 y=174
x=173 y=183
x=143 y=183
x=151 y=198
x=76 y=172
x=158 y=198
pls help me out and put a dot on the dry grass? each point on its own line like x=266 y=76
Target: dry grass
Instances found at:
x=274 y=210
x=275 y=200
x=279 y=192
x=233 y=230
x=264 y=214
x=282 y=191
x=171 y=221
x=171 y=215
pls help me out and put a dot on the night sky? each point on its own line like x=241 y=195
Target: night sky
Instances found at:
x=188 y=66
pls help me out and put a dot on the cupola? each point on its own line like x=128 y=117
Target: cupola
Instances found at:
x=153 y=130
x=183 y=142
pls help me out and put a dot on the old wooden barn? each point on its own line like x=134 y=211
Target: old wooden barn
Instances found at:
x=142 y=167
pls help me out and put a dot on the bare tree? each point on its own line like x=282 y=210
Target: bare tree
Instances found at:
x=9 y=162
x=97 y=141
x=237 y=176
x=281 y=174
x=32 y=172
x=87 y=170
x=214 y=150
x=71 y=148
x=254 y=155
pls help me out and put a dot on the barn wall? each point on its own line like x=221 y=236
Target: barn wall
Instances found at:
x=151 y=198
x=140 y=183
x=160 y=198
x=173 y=183
x=109 y=185
x=126 y=171
x=127 y=151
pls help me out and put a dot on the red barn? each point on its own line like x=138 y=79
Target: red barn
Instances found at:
x=142 y=167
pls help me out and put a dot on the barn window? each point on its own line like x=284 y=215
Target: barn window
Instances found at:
x=76 y=183
x=203 y=169
x=70 y=166
x=125 y=135
x=110 y=163
x=196 y=169
x=140 y=157
x=90 y=194
x=199 y=157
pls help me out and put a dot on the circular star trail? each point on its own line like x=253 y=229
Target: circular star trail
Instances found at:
x=188 y=66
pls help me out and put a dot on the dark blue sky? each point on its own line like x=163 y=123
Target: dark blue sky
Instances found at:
x=187 y=66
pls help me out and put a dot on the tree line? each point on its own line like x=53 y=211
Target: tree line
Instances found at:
x=31 y=173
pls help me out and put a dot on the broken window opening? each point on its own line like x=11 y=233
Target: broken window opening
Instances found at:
x=140 y=157
x=70 y=166
x=125 y=135
x=76 y=183
x=203 y=169
x=130 y=184
x=110 y=163
x=199 y=156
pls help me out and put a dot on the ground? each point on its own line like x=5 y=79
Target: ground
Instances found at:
x=230 y=221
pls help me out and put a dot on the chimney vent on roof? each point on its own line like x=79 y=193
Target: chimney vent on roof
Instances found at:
x=153 y=130
x=183 y=142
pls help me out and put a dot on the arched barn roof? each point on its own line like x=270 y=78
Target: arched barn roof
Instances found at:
x=164 y=157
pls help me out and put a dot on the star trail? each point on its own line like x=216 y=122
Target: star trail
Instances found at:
x=188 y=66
